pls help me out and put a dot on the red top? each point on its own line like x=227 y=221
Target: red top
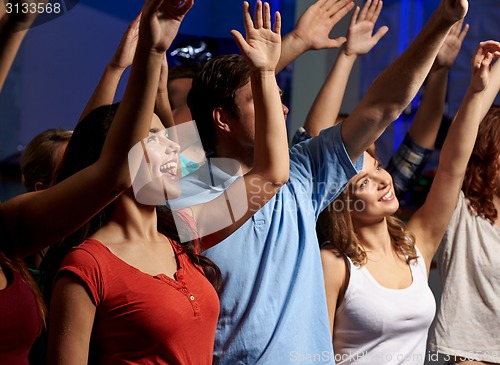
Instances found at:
x=144 y=319
x=19 y=321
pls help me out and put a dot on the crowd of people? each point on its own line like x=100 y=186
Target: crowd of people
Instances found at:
x=177 y=226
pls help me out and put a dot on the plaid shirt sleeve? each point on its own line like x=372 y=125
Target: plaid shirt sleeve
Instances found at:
x=407 y=164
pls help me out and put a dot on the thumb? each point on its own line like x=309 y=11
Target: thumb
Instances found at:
x=240 y=41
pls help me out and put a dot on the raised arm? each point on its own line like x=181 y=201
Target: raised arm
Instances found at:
x=312 y=30
x=430 y=221
x=416 y=149
x=14 y=25
x=104 y=94
x=34 y=220
x=396 y=86
x=360 y=40
x=425 y=125
x=162 y=105
x=270 y=171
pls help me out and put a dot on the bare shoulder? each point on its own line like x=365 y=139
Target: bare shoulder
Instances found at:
x=334 y=263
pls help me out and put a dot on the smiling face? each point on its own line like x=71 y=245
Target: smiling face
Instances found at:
x=162 y=155
x=372 y=193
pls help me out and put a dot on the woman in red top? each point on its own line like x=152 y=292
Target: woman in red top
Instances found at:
x=131 y=293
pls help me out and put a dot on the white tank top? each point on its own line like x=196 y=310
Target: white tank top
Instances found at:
x=377 y=325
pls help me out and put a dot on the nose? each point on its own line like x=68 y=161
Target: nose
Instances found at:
x=170 y=146
x=384 y=179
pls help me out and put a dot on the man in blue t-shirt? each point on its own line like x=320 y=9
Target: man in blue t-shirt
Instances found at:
x=273 y=304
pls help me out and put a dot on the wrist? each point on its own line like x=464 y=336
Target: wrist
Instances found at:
x=297 y=42
x=115 y=67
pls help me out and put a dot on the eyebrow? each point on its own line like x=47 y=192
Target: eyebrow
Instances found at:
x=361 y=178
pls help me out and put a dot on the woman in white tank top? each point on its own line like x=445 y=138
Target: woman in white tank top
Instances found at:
x=375 y=270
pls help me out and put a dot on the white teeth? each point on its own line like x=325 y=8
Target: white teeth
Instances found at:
x=387 y=196
x=169 y=167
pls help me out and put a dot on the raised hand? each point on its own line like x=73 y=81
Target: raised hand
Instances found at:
x=454 y=10
x=314 y=26
x=124 y=54
x=481 y=64
x=262 y=46
x=161 y=20
x=452 y=44
x=359 y=36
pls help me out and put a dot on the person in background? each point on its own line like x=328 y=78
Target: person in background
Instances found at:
x=465 y=326
x=39 y=163
x=373 y=262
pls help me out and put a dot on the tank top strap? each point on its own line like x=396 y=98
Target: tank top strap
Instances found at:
x=352 y=273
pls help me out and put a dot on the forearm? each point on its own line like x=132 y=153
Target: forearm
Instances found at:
x=394 y=89
x=271 y=146
x=460 y=139
x=104 y=94
x=425 y=125
x=327 y=104
x=291 y=48
x=164 y=111
x=133 y=118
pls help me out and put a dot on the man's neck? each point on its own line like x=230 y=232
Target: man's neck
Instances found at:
x=243 y=155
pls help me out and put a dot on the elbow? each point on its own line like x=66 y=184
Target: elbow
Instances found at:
x=278 y=180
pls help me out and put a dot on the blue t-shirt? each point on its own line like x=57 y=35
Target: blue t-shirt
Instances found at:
x=273 y=303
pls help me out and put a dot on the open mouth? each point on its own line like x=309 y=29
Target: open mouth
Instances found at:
x=387 y=196
x=169 y=168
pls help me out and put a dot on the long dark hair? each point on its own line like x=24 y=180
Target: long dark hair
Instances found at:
x=83 y=150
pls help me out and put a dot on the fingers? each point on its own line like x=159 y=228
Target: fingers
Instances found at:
x=380 y=33
x=267 y=16
x=240 y=41
x=277 y=23
x=378 y=9
x=258 y=22
x=455 y=30
x=463 y=33
x=485 y=53
x=188 y=4
x=322 y=4
x=338 y=9
x=371 y=11
x=262 y=17
x=354 y=17
x=247 y=18
x=365 y=9
x=337 y=42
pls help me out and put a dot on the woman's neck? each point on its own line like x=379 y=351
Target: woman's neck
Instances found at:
x=132 y=221
x=374 y=237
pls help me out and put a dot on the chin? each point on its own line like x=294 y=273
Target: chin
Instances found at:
x=157 y=191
